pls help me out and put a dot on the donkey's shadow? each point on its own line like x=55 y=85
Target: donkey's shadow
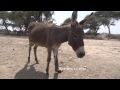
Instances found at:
x=30 y=73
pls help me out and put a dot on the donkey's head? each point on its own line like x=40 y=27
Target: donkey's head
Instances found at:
x=75 y=37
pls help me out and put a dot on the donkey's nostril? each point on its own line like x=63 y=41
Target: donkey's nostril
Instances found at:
x=81 y=55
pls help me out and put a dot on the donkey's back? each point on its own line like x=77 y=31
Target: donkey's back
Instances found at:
x=39 y=33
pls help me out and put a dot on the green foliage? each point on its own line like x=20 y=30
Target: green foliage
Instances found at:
x=93 y=24
x=4 y=17
x=67 y=21
x=21 y=19
x=105 y=18
x=102 y=36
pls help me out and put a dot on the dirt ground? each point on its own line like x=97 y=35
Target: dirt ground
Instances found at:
x=102 y=60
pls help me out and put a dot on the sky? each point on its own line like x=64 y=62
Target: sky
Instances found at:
x=60 y=16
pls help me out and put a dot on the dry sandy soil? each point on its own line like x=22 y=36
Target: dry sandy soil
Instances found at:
x=102 y=60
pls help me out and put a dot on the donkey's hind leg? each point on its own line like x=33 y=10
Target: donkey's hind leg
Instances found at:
x=48 y=61
x=30 y=46
x=35 y=48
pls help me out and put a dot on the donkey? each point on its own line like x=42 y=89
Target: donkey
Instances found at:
x=52 y=36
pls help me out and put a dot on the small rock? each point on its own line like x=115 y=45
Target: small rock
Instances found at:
x=61 y=62
x=84 y=66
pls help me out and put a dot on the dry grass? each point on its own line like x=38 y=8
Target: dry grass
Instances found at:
x=102 y=60
x=103 y=36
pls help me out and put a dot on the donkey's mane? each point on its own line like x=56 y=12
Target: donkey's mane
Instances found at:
x=66 y=24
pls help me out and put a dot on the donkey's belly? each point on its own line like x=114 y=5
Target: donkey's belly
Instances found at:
x=39 y=41
x=40 y=44
x=39 y=38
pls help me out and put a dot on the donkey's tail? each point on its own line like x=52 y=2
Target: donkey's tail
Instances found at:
x=31 y=26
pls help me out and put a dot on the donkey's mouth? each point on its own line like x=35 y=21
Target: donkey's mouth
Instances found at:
x=80 y=55
x=80 y=52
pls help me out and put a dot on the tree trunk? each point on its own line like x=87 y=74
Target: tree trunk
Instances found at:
x=108 y=26
x=25 y=31
x=7 y=30
x=5 y=24
x=96 y=31
x=26 y=23
x=40 y=16
x=26 y=26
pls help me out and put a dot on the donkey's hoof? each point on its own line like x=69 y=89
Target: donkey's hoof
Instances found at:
x=59 y=71
x=47 y=73
x=37 y=62
x=28 y=62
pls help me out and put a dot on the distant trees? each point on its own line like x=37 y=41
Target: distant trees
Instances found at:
x=93 y=24
x=21 y=19
x=105 y=18
x=66 y=21
x=4 y=20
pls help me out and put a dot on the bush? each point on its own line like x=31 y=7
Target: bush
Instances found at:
x=115 y=36
x=102 y=36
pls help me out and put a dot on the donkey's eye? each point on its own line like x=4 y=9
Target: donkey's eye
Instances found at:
x=75 y=36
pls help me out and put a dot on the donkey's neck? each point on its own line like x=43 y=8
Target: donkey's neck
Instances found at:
x=62 y=33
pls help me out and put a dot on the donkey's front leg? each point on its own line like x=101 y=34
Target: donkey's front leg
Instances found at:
x=55 y=52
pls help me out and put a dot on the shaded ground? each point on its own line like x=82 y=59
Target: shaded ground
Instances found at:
x=102 y=60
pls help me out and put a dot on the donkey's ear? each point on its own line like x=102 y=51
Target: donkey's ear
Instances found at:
x=85 y=19
x=74 y=16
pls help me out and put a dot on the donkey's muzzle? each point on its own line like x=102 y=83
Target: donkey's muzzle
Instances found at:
x=80 y=52
x=80 y=55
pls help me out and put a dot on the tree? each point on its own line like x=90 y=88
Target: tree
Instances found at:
x=93 y=24
x=41 y=16
x=4 y=20
x=66 y=21
x=105 y=18
x=22 y=19
x=48 y=16
x=108 y=18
